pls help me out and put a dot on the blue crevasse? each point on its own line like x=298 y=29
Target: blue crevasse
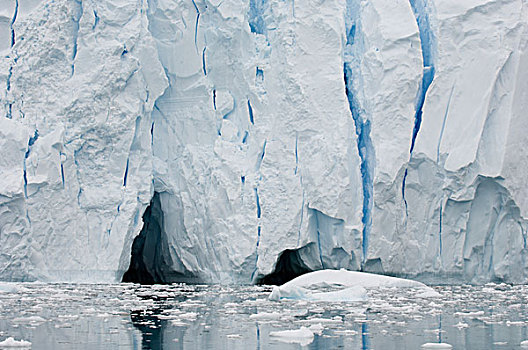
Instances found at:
x=257 y=202
x=196 y=25
x=428 y=46
x=204 y=67
x=76 y=18
x=126 y=173
x=250 y=110
x=96 y=20
x=31 y=142
x=257 y=9
x=361 y=122
x=12 y=24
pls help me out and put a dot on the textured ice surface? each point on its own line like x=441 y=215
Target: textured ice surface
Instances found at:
x=387 y=136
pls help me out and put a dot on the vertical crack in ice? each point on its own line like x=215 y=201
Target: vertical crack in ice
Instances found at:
x=296 y=155
x=9 y=112
x=204 y=68
x=297 y=170
x=419 y=8
x=257 y=203
x=78 y=175
x=76 y=18
x=214 y=99
x=244 y=138
x=31 y=142
x=96 y=20
x=362 y=126
x=316 y=213
x=443 y=125
x=126 y=173
x=196 y=25
x=403 y=192
x=12 y=24
x=261 y=158
x=61 y=167
x=152 y=134
x=250 y=110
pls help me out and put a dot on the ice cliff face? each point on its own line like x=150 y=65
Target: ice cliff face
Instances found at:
x=249 y=141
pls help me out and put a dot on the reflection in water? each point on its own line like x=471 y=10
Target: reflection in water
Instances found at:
x=151 y=328
x=258 y=336
x=65 y=316
x=440 y=328
x=365 y=341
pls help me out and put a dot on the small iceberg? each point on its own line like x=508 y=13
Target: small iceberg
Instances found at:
x=8 y=287
x=302 y=336
x=342 y=285
x=12 y=343
x=436 y=346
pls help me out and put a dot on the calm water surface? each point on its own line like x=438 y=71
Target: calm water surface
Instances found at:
x=128 y=316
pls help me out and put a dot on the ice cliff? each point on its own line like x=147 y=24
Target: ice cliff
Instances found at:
x=246 y=141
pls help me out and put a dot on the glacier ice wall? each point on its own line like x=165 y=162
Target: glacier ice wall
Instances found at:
x=260 y=136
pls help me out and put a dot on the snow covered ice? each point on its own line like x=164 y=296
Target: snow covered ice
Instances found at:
x=342 y=285
x=252 y=141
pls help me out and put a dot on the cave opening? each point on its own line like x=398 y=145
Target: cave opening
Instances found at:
x=151 y=261
x=289 y=265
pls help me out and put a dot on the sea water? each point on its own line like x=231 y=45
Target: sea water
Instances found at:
x=180 y=316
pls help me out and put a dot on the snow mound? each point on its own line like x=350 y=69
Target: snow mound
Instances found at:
x=302 y=336
x=342 y=285
x=12 y=343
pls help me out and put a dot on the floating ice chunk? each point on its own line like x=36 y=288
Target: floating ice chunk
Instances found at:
x=317 y=328
x=302 y=336
x=349 y=285
x=190 y=316
x=288 y=292
x=265 y=316
x=320 y=320
x=469 y=314
x=461 y=325
x=233 y=336
x=12 y=343
x=29 y=319
x=6 y=287
x=436 y=346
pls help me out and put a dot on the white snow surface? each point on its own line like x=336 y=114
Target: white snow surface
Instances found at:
x=237 y=113
x=344 y=286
